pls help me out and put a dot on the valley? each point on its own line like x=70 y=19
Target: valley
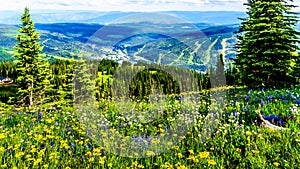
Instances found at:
x=183 y=45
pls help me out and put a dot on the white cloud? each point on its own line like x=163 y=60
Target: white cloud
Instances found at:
x=125 y=5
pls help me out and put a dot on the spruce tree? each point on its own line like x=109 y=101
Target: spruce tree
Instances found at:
x=267 y=43
x=220 y=72
x=43 y=86
x=31 y=68
x=84 y=82
x=68 y=83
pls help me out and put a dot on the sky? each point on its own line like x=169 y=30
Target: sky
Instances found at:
x=125 y=5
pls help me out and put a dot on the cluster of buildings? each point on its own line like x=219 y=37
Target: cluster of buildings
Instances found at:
x=5 y=80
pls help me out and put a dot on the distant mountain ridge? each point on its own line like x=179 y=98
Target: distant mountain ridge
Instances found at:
x=205 y=35
x=211 y=17
x=182 y=45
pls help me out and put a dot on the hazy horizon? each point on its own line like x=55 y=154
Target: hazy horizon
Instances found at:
x=125 y=5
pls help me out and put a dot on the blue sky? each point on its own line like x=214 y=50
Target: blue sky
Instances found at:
x=125 y=5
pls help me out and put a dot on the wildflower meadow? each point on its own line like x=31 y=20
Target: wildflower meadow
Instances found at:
x=56 y=139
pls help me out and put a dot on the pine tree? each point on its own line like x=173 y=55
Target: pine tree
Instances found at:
x=220 y=72
x=43 y=85
x=31 y=68
x=62 y=95
x=267 y=43
x=84 y=82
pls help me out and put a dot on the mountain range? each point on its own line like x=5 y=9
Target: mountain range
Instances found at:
x=191 y=39
x=211 y=17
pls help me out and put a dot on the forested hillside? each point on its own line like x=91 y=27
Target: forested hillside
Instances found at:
x=152 y=94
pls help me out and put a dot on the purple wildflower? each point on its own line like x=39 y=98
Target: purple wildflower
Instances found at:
x=247 y=97
x=52 y=143
x=297 y=101
x=40 y=115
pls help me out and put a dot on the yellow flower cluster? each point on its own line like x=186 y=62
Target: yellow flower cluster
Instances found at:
x=211 y=162
x=167 y=165
x=136 y=165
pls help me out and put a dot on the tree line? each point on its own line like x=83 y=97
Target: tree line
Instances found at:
x=267 y=49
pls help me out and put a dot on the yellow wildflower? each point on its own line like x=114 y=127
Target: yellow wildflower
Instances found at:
x=39 y=137
x=248 y=133
x=2 y=136
x=135 y=164
x=41 y=152
x=204 y=154
x=175 y=147
x=19 y=154
x=2 y=149
x=276 y=164
x=211 y=162
x=150 y=153
x=36 y=162
x=101 y=161
x=196 y=160
x=17 y=146
x=140 y=166
x=179 y=155
x=53 y=155
x=33 y=150
x=88 y=154
x=91 y=159
x=161 y=130
x=191 y=157
x=169 y=143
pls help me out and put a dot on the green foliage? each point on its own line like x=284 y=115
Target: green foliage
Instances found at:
x=84 y=81
x=58 y=139
x=8 y=69
x=232 y=75
x=32 y=70
x=63 y=76
x=266 y=44
x=146 y=81
x=217 y=76
x=6 y=92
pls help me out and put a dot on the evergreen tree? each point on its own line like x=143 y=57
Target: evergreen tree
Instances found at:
x=31 y=68
x=62 y=95
x=43 y=87
x=220 y=72
x=84 y=82
x=267 y=43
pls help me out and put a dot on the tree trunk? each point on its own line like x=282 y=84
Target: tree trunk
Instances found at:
x=31 y=95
